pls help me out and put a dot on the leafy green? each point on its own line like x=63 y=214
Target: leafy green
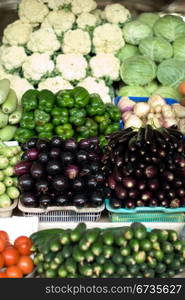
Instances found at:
x=135 y=31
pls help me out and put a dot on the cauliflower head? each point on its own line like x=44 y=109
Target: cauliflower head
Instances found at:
x=105 y=65
x=60 y=21
x=71 y=66
x=17 y=33
x=55 y=84
x=97 y=86
x=20 y=86
x=100 y=14
x=37 y=66
x=76 y=41
x=117 y=13
x=58 y=4
x=86 y=20
x=32 y=11
x=107 y=38
x=12 y=57
x=79 y=6
x=43 y=41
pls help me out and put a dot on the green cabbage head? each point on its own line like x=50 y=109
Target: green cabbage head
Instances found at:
x=135 y=31
x=179 y=48
x=156 y=48
x=138 y=70
x=127 y=51
x=171 y=72
x=169 y=27
x=148 y=18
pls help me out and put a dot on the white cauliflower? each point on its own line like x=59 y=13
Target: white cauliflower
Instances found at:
x=12 y=57
x=97 y=86
x=20 y=86
x=105 y=65
x=79 y=6
x=60 y=21
x=76 y=41
x=43 y=41
x=107 y=38
x=37 y=66
x=55 y=84
x=58 y=4
x=71 y=66
x=116 y=13
x=86 y=20
x=32 y=11
x=17 y=33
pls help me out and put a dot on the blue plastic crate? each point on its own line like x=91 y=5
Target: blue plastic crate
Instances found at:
x=141 y=99
x=146 y=214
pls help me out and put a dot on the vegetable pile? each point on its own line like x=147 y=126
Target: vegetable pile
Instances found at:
x=61 y=173
x=153 y=59
x=50 y=34
x=69 y=113
x=111 y=252
x=146 y=168
x=9 y=157
x=156 y=112
x=15 y=260
x=10 y=112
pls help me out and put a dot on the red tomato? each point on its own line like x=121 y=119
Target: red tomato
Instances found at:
x=2 y=244
x=11 y=256
x=23 y=244
x=1 y=261
x=14 y=272
x=4 y=235
x=3 y=275
x=26 y=265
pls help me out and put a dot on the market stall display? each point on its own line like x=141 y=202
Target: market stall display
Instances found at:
x=146 y=167
x=67 y=114
x=125 y=252
x=15 y=260
x=155 y=111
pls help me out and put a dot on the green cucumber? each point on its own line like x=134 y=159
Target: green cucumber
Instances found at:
x=149 y=273
x=168 y=258
x=125 y=251
x=117 y=258
x=143 y=267
x=40 y=268
x=100 y=259
x=89 y=256
x=152 y=236
x=145 y=245
x=59 y=259
x=109 y=268
x=65 y=237
x=51 y=273
x=160 y=268
x=175 y=264
x=67 y=251
x=152 y=262
x=134 y=245
x=62 y=272
x=170 y=273
x=172 y=235
x=121 y=270
x=53 y=265
x=139 y=231
x=4 y=89
x=159 y=255
x=97 y=248
x=86 y=270
x=108 y=238
x=71 y=266
x=10 y=103
x=120 y=240
x=167 y=247
x=78 y=255
x=129 y=260
x=77 y=233
x=108 y=251
x=134 y=269
x=128 y=233
x=97 y=269
x=49 y=257
x=55 y=245
x=178 y=245
x=140 y=257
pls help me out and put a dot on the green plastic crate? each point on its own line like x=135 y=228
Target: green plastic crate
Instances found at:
x=146 y=214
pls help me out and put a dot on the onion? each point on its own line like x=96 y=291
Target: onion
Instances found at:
x=71 y=171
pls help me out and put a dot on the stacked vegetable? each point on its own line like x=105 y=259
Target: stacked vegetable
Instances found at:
x=15 y=260
x=155 y=112
x=10 y=112
x=146 y=168
x=61 y=173
x=50 y=34
x=69 y=113
x=153 y=59
x=9 y=157
x=111 y=252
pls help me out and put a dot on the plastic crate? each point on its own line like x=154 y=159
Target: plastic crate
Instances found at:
x=63 y=214
x=8 y=211
x=146 y=214
x=141 y=99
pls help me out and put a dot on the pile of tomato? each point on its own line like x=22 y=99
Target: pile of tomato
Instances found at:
x=15 y=260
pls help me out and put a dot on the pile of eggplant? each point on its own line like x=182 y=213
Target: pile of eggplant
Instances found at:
x=61 y=173
x=146 y=168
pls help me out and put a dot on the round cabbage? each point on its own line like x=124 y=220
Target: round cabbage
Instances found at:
x=127 y=51
x=171 y=72
x=138 y=70
x=151 y=87
x=156 y=48
x=169 y=27
x=148 y=18
x=135 y=31
x=179 y=48
x=168 y=92
x=133 y=91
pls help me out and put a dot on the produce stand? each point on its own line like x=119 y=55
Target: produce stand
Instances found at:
x=92 y=127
